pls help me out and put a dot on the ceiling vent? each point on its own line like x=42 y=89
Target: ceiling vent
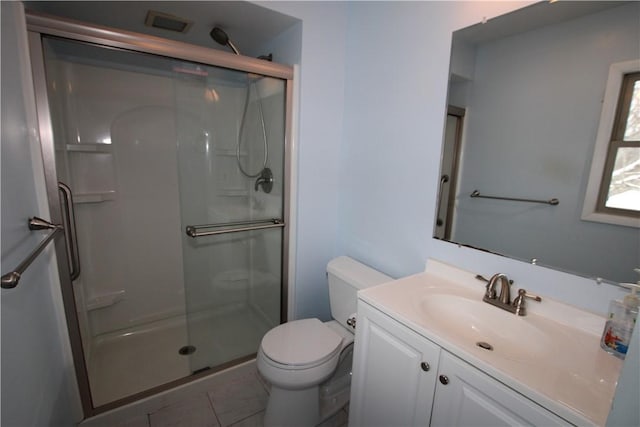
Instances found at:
x=167 y=22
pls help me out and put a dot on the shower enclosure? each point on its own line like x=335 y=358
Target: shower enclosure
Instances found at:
x=167 y=165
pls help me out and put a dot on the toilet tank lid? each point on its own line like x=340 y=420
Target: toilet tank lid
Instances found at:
x=356 y=273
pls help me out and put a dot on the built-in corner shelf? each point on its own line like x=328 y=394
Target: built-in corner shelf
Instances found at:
x=94 y=197
x=88 y=147
x=233 y=193
x=231 y=152
x=105 y=300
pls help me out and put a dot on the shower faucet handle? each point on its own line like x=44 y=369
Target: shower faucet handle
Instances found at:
x=265 y=181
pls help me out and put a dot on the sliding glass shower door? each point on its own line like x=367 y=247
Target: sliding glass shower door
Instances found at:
x=174 y=174
x=230 y=136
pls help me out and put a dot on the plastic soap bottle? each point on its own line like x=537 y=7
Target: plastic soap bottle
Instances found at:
x=620 y=321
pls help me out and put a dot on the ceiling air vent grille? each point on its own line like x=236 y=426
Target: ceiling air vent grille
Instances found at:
x=167 y=22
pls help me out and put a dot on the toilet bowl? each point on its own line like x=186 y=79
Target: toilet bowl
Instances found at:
x=298 y=356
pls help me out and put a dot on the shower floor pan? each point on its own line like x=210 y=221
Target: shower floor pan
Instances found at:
x=137 y=359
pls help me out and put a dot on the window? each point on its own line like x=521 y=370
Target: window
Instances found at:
x=620 y=187
x=613 y=191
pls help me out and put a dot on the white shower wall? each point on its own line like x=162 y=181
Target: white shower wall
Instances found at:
x=145 y=155
x=120 y=157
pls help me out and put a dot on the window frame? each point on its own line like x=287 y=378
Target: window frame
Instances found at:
x=609 y=130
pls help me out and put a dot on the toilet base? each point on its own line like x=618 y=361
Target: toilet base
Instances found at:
x=292 y=408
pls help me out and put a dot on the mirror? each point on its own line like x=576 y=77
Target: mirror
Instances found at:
x=525 y=97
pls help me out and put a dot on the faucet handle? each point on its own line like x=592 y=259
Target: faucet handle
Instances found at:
x=490 y=291
x=518 y=302
x=526 y=294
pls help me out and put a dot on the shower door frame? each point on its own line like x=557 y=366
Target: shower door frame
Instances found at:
x=39 y=25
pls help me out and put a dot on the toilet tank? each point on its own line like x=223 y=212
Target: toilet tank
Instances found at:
x=346 y=277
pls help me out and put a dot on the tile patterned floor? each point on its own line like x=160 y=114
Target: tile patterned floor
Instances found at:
x=239 y=401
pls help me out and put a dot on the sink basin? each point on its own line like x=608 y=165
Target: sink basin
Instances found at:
x=472 y=321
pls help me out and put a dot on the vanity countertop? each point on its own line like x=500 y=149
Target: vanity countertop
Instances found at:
x=552 y=355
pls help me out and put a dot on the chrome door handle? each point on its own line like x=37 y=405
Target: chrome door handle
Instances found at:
x=443 y=179
x=70 y=235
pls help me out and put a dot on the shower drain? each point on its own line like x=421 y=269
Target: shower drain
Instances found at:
x=186 y=350
x=484 y=345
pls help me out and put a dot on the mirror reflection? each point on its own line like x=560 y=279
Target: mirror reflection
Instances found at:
x=525 y=99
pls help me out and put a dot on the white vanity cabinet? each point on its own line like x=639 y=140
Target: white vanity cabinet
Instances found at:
x=400 y=378
x=465 y=396
x=394 y=373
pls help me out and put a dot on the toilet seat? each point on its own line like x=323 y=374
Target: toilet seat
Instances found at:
x=301 y=344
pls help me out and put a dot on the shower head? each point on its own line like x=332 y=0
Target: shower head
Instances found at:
x=221 y=37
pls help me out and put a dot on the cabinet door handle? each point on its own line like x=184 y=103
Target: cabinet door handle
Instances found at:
x=425 y=366
x=444 y=379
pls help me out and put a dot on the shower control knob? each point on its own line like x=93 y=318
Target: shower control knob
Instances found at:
x=351 y=322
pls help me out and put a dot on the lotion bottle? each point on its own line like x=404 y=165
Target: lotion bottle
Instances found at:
x=621 y=321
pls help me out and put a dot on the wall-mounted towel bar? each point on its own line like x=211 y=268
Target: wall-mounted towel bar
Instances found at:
x=11 y=279
x=553 y=202
x=232 y=227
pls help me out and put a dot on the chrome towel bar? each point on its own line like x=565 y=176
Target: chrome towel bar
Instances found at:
x=553 y=202
x=232 y=227
x=11 y=279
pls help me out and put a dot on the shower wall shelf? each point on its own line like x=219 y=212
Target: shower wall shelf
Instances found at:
x=94 y=197
x=105 y=300
x=231 y=152
x=233 y=193
x=90 y=148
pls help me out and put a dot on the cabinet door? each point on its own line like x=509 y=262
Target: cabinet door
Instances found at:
x=394 y=373
x=472 y=398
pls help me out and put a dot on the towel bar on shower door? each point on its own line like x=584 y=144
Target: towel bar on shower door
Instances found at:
x=233 y=227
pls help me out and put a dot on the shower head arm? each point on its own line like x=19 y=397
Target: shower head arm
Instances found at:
x=233 y=47
x=221 y=37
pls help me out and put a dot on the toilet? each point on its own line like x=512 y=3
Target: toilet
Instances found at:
x=297 y=357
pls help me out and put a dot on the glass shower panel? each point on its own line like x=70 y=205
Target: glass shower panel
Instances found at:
x=230 y=128
x=114 y=133
x=148 y=145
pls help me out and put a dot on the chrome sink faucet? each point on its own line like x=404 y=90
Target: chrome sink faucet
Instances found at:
x=503 y=299
x=505 y=293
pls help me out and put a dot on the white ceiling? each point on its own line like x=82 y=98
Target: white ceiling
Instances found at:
x=249 y=26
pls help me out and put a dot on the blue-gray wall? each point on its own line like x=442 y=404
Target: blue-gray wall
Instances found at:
x=37 y=378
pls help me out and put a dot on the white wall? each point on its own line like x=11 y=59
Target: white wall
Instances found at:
x=38 y=382
x=322 y=85
x=548 y=153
